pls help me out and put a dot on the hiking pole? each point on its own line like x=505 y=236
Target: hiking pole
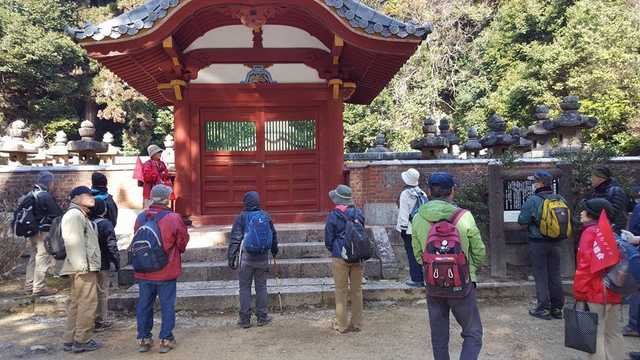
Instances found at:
x=278 y=283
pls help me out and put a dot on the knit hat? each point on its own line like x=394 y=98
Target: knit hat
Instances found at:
x=45 y=179
x=160 y=193
x=342 y=195
x=542 y=177
x=602 y=172
x=153 y=149
x=595 y=206
x=411 y=177
x=441 y=179
x=79 y=190
x=98 y=179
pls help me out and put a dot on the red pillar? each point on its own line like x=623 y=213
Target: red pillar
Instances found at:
x=181 y=119
x=334 y=142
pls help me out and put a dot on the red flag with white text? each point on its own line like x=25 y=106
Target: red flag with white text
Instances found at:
x=605 y=249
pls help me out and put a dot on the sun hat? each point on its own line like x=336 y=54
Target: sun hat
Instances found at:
x=411 y=177
x=342 y=195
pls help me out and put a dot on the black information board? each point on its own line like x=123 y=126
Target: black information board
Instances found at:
x=516 y=193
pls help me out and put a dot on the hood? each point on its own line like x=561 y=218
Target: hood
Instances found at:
x=436 y=210
x=251 y=201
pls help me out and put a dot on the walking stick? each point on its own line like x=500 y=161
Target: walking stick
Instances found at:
x=278 y=283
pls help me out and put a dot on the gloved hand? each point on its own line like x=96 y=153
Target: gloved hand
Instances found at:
x=629 y=237
x=233 y=262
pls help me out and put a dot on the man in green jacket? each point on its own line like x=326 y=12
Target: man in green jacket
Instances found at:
x=441 y=192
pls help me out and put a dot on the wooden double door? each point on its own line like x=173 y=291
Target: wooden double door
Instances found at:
x=274 y=151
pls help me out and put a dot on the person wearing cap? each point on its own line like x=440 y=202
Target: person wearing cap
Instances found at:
x=154 y=172
x=162 y=283
x=46 y=209
x=82 y=264
x=441 y=191
x=347 y=276
x=409 y=196
x=101 y=192
x=544 y=253
x=588 y=286
x=109 y=256
x=606 y=187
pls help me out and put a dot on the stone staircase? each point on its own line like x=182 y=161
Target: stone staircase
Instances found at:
x=302 y=276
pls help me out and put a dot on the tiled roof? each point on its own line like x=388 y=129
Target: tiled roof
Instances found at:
x=356 y=14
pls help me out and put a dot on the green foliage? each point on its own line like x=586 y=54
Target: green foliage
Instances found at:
x=582 y=163
x=475 y=198
x=69 y=126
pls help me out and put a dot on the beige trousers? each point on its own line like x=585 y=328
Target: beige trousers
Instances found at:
x=39 y=262
x=81 y=308
x=104 y=282
x=348 y=279
x=610 y=344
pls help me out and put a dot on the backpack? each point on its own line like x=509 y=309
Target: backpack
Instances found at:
x=445 y=264
x=421 y=199
x=623 y=277
x=145 y=252
x=555 y=219
x=357 y=245
x=53 y=242
x=24 y=218
x=258 y=236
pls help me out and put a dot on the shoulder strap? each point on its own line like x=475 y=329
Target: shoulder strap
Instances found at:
x=457 y=215
x=159 y=216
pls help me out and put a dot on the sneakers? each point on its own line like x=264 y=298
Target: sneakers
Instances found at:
x=244 y=324
x=556 y=314
x=90 y=345
x=167 y=345
x=46 y=292
x=540 y=313
x=144 y=345
x=265 y=321
x=101 y=326
x=629 y=331
x=67 y=347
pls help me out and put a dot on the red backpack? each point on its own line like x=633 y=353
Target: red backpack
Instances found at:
x=445 y=264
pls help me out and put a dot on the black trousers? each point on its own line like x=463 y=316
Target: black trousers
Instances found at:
x=545 y=259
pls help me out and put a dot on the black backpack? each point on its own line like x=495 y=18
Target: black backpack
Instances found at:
x=24 y=218
x=357 y=245
x=53 y=242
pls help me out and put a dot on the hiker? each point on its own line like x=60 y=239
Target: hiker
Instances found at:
x=440 y=215
x=253 y=236
x=82 y=265
x=347 y=275
x=606 y=187
x=588 y=286
x=411 y=198
x=631 y=329
x=108 y=256
x=544 y=247
x=154 y=172
x=161 y=283
x=45 y=210
x=100 y=192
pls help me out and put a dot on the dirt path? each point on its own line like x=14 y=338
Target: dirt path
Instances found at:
x=390 y=332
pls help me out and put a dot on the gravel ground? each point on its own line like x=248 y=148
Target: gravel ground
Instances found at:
x=391 y=331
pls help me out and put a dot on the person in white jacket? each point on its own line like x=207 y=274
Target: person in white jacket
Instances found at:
x=410 y=197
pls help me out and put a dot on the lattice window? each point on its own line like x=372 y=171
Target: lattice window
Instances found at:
x=285 y=135
x=230 y=136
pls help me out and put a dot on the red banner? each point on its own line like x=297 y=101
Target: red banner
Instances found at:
x=605 y=250
x=138 y=174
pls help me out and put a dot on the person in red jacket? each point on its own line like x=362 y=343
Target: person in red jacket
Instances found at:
x=588 y=286
x=161 y=283
x=154 y=172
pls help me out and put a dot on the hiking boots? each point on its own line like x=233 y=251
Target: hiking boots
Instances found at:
x=265 y=321
x=101 y=326
x=46 y=292
x=245 y=324
x=167 y=345
x=540 y=313
x=144 y=345
x=556 y=314
x=67 y=347
x=90 y=345
x=630 y=332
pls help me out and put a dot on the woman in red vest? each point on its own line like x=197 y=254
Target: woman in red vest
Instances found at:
x=154 y=172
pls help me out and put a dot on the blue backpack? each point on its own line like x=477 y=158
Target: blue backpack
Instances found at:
x=258 y=236
x=421 y=199
x=145 y=252
x=624 y=277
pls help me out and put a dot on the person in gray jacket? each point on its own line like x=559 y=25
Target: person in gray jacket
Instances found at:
x=408 y=200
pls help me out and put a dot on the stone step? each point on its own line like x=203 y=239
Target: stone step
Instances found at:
x=286 y=268
x=295 y=293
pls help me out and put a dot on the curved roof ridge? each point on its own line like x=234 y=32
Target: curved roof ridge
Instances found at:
x=356 y=14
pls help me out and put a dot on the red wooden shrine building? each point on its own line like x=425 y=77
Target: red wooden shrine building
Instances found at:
x=258 y=89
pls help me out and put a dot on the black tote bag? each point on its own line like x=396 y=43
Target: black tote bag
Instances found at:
x=580 y=329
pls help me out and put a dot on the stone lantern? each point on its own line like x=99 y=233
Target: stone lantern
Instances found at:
x=112 y=151
x=168 y=155
x=87 y=148
x=537 y=133
x=569 y=125
x=59 y=151
x=379 y=145
x=497 y=140
x=473 y=146
x=15 y=146
x=521 y=144
x=445 y=131
x=431 y=144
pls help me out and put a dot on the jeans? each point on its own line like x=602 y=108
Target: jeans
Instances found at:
x=545 y=258
x=634 y=311
x=249 y=273
x=148 y=291
x=415 y=270
x=466 y=312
